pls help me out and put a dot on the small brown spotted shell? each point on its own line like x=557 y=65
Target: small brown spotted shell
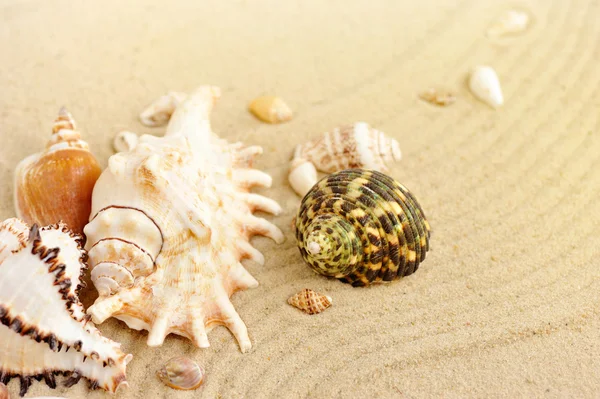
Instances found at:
x=361 y=227
x=310 y=302
x=181 y=373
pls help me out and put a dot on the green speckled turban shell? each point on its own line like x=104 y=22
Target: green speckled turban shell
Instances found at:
x=362 y=226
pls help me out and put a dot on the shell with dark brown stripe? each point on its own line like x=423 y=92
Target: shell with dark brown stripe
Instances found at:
x=362 y=227
x=41 y=317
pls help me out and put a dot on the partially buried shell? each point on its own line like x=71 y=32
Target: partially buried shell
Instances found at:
x=181 y=373
x=171 y=221
x=56 y=184
x=361 y=227
x=351 y=146
x=43 y=327
x=310 y=302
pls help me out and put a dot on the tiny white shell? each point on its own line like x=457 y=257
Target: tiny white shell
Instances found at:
x=509 y=23
x=303 y=175
x=125 y=141
x=485 y=85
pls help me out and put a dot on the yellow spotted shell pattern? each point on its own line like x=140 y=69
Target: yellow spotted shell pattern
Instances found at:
x=362 y=227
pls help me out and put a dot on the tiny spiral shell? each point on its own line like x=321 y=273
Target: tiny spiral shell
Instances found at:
x=310 y=302
x=181 y=373
x=361 y=226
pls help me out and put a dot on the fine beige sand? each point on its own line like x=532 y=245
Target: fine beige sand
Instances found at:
x=507 y=303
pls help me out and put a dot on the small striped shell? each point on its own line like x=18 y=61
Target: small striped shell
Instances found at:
x=362 y=227
x=310 y=302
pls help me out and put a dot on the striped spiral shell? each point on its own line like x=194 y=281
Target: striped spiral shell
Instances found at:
x=361 y=227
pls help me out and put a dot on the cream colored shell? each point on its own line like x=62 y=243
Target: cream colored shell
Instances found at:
x=170 y=222
x=351 y=146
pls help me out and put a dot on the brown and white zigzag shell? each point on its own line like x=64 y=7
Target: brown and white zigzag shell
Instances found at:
x=41 y=317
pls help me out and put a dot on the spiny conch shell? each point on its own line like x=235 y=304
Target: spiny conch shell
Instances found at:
x=170 y=222
x=270 y=109
x=181 y=373
x=510 y=22
x=361 y=227
x=485 y=85
x=56 y=184
x=4 y=392
x=41 y=317
x=125 y=141
x=310 y=302
x=352 y=146
x=159 y=111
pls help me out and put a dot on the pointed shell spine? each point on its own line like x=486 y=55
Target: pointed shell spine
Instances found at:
x=362 y=226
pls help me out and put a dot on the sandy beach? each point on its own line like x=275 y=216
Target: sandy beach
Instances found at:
x=507 y=303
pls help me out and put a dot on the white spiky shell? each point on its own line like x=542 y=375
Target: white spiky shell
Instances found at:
x=170 y=221
x=41 y=317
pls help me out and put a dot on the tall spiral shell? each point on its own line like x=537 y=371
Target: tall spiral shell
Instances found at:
x=362 y=227
x=56 y=184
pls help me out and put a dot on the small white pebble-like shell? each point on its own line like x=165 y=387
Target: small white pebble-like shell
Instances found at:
x=125 y=141
x=303 y=175
x=181 y=373
x=509 y=23
x=485 y=85
x=310 y=302
x=270 y=109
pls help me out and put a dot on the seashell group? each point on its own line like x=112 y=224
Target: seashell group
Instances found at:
x=485 y=85
x=310 y=302
x=352 y=146
x=181 y=373
x=171 y=221
x=361 y=227
x=56 y=184
x=41 y=317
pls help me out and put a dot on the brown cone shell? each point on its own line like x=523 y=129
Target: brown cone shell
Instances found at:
x=56 y=184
